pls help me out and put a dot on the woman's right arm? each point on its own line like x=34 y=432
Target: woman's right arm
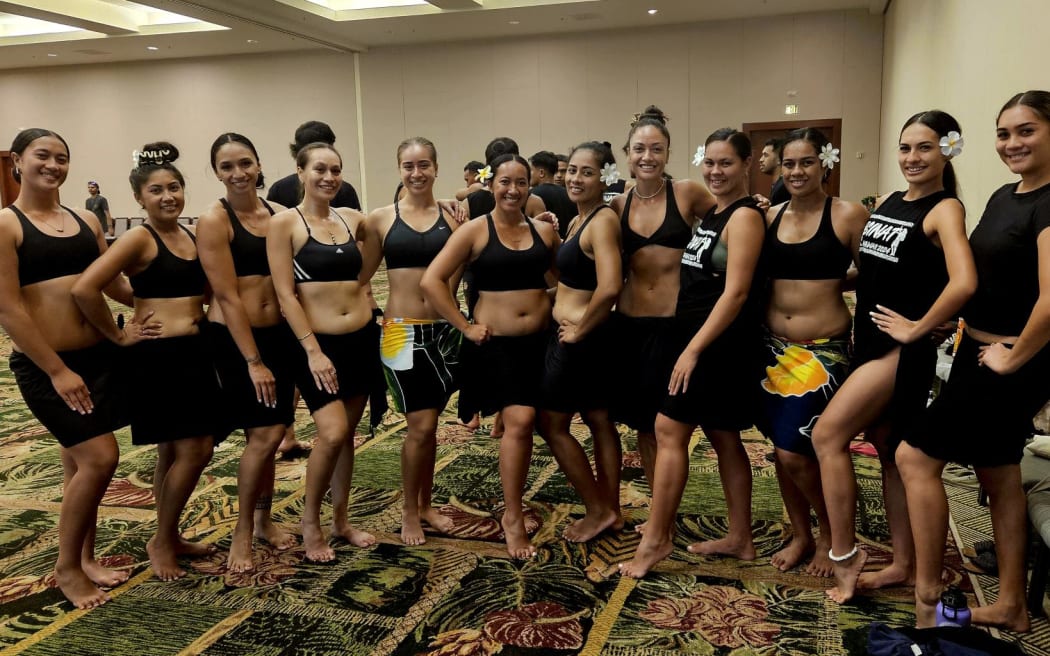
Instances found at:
x=435 y=281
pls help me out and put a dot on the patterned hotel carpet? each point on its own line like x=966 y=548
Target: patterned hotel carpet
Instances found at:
x=457 y=595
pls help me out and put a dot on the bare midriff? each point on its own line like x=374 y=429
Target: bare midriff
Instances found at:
x=512 y=313
x=335 y=308
x=651 y=289
x=802 y=310
x=57 y=316
x=259 y=300
x=177 y=316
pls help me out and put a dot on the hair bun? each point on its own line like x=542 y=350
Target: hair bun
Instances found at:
x=157 y=153
x=651 y=113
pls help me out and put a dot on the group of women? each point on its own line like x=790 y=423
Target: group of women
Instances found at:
x=677 y=305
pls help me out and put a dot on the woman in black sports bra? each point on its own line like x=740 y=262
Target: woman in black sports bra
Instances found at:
x=316 y=256
x=172 y=389
x=578 y=368
x=511 y=256
x=916 y=272
x=810 y=243
x=419 y=349
x=251 y=342
x=657 y=219
x=64 y=367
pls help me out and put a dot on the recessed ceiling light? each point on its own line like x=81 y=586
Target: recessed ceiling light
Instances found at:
x=51 y=54
x=514 y=22
x=152 y=48
x=653 y=11
x=252 y=41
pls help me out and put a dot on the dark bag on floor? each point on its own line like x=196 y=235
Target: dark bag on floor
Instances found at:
x=940 y=641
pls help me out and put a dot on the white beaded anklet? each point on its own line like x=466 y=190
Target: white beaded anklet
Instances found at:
x=843 y=558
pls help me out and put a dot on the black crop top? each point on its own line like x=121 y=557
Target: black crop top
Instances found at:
x=674 y=232
x=406 y=248
x=500 y=269
x=320 y=262
x=248 y=250
x=168 y=275
x=821 y=257
x=576 y=269
x=45 y=257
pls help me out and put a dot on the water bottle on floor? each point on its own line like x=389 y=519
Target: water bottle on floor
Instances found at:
x=952 y=609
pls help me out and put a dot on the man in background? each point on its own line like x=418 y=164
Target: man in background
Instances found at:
x=563 y=164
x=555 y=198
x=769 y=163
x=98 y=204
x=286 y=190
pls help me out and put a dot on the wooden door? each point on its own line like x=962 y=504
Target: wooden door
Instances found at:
x=8 y=187
x=760 y=132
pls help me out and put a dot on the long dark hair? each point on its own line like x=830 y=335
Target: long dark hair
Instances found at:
x=942 y=123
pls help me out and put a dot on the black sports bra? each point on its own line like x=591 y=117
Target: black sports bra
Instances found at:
x=45 y=257
x=821 y=257
x=500 y=269
x=406 y=248
x=320 y=262
x=576 y=269
x=674 y=232
x=168 y=275
x=248 y=250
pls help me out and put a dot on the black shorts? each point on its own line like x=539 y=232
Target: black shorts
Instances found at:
x=241 y=408
x=506 y=371
x=355 y=357
x=577 y=377
x=99 y=366
x=646 y=353
x=723 y=391
x=916 y=368
x=982 y=418
x=173 y=390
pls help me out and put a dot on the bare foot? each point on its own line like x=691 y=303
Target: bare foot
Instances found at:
x=354 y=536
x=649 y=552
x=1003 y=616
x=894 y=575
x=103 y=577
x=821 y=565
x=194 y=549
x=275 y=536
x=412 y=530
x=291 y=446
x=590 y=525
x=640 y=528
x=316 y=546
x=79 y=590
x=474 y=423
x=518 y=545
x=438 y=522
x=240 y=558
x=846 y=575
x=793 y=553
x=741 y=549
x=163 y=559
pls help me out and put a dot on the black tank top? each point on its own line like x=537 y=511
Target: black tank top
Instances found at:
x=900 y=268
x=248 y=250
x=320 y=262
x=406 y=248
x=704 y=265
x=673 y=232
x=168 y=275
x=821 y=257
x=45 y=257
x=576 y=269
x=500 y=269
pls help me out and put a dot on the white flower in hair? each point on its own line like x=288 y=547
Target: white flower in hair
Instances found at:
x=610 y=175
x=952 y=145
x=698 y=158
x=829 y=156
x=484 y=174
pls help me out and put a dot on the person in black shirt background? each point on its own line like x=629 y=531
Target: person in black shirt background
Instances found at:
x=286 y=190
x=555 y=198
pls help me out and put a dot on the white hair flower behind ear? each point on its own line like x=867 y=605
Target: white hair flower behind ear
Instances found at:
x=952 y=145
x=829 y=156
x=610 y=175
x=698 y=158
x=484 y=174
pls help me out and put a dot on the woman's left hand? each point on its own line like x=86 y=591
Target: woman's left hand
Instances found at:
x=897 y=326
x=683 y=371
x=997 y=358
x=548 y=217
x=567 y=333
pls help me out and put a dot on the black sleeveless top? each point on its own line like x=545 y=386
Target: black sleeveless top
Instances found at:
x=900 y=269
x=248 y=250
x=576 y=269
x=45 y=257
x=168 y=275
x=500 y=269
x=320 y=262
x=406 y=248
x=672 y=233
x=821 y=257
x=704 y=266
